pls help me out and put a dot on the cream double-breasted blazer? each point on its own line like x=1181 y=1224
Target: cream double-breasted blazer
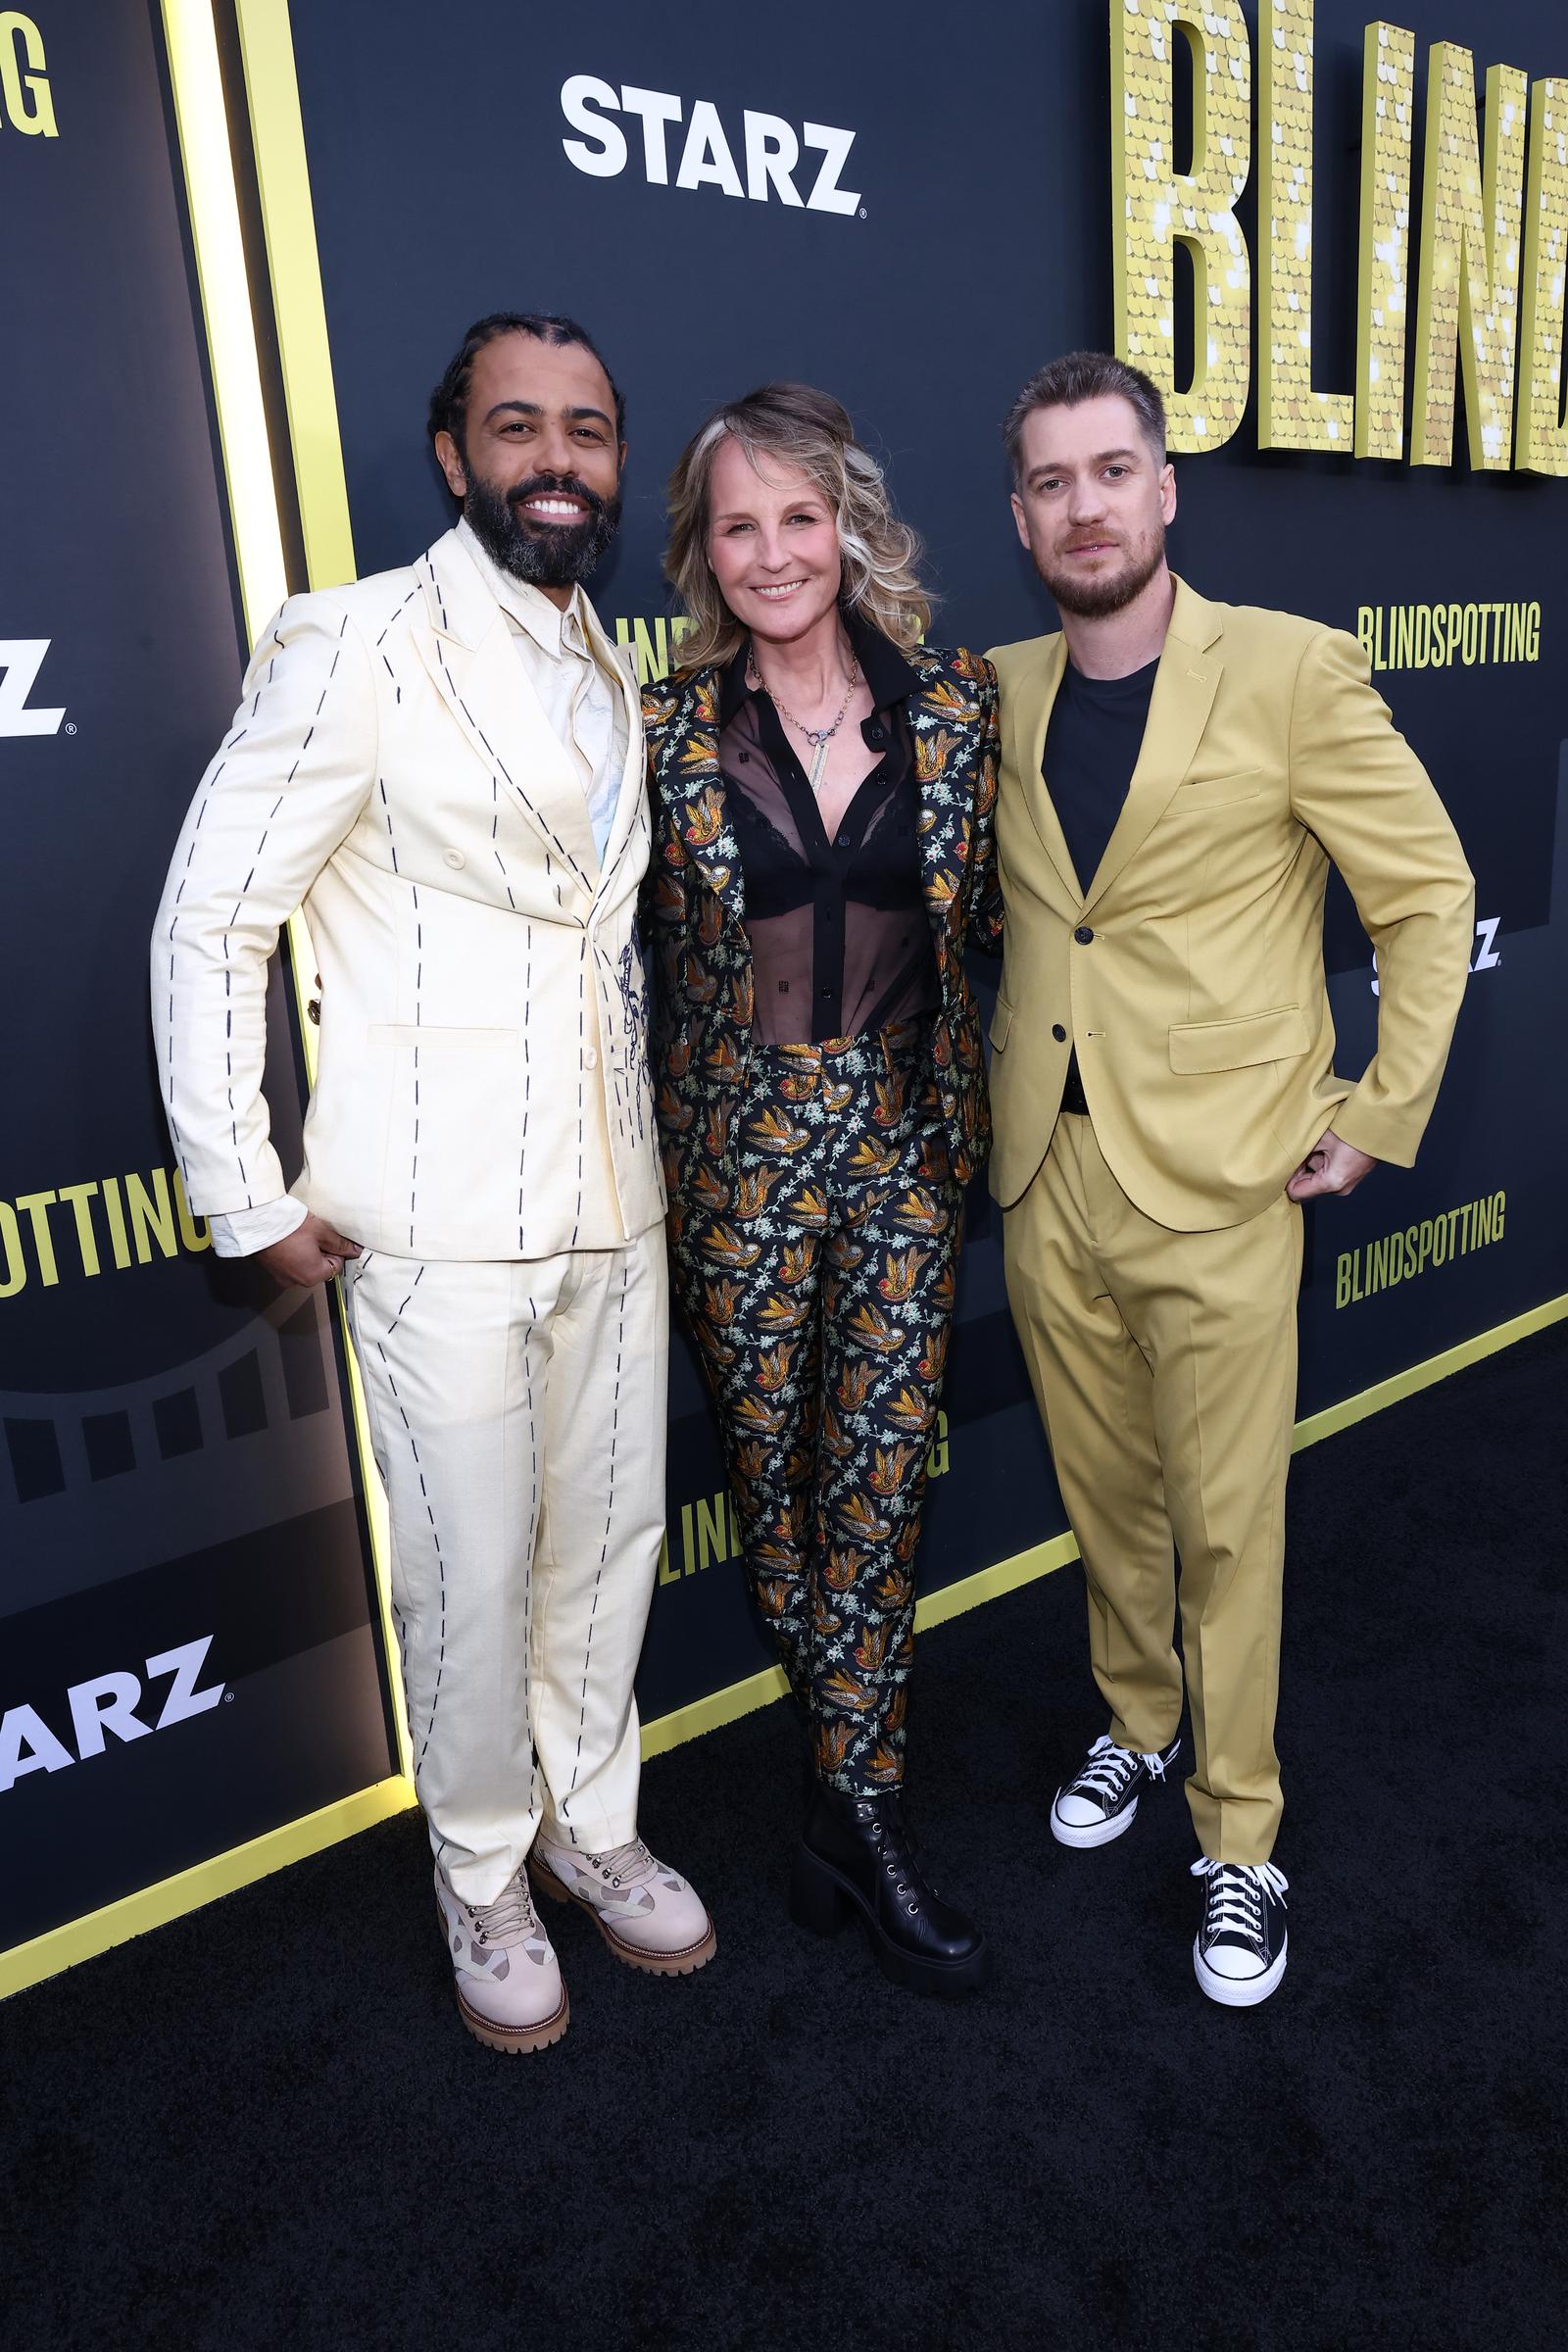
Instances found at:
x=482 y=1085
x=1187 y=970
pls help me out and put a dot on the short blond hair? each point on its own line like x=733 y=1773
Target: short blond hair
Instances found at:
x=810 y=429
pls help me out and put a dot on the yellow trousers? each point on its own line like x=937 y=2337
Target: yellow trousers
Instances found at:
x=1164 y=1367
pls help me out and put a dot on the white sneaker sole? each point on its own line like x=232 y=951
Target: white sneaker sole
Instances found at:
x=1239 y=1992
x=1093 y=1833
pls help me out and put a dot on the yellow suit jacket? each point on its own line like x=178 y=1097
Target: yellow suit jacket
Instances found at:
x=1189 y=972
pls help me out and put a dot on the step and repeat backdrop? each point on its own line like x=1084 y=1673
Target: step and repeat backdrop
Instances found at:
x=916 y=216
x=186 y=1655
x=1342 y=246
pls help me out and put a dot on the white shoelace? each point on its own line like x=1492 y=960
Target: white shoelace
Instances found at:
x=1108 y=1769
x=1234 y=1901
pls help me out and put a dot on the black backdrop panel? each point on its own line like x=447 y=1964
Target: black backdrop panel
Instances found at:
x=174 y=1477
x=978 y=242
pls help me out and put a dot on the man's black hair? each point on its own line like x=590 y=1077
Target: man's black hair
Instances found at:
x=450 y=399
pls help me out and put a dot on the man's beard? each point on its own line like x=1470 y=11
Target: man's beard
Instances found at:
x=1095 y=600
x=550 y=554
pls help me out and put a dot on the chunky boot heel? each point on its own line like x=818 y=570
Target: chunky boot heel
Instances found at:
x=858 y=1857
x=817 y=1901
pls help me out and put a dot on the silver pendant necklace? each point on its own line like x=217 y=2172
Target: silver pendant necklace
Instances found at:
x=818 y=737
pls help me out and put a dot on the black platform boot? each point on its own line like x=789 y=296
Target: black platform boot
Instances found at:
x=856 y=1858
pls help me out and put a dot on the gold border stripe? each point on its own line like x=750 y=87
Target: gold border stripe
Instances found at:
x=278 y=139
x=299 y=316
x=719 y=1707
x=299 y=306
x=170 y=1898
x=1410 y=1383
x=214 y=208
x=207 y=161
x=713 y=1710
x=990 y=1584
x=156 y=1906
x=227 y=310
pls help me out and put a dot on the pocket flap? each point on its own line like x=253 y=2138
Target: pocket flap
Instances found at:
x=1277 y=1036
x=1001 y=1024
x=1215 y=792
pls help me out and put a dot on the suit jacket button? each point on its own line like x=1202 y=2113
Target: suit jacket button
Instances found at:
x=590 y=1060
x=1058 y=1033
x=454 y=859
x=1083 y=935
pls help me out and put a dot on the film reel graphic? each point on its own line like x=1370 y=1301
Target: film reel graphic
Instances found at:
x=95 y=1485
x=200 y=1520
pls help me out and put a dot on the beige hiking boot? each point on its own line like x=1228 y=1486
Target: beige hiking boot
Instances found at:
x=646 y=1913
x=508 y=1978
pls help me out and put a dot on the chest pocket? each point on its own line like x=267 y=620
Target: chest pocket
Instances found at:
x=1216 y=792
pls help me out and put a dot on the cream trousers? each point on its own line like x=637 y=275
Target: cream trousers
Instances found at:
x=518 y=1414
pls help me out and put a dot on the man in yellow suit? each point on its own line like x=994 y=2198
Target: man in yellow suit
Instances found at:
x=1177 y=776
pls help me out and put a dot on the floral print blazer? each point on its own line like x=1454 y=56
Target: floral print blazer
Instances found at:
x=695 y=909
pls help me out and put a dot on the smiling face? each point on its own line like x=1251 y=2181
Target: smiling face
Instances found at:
x=773 y=544
x=538 y=469
x=1092 y=504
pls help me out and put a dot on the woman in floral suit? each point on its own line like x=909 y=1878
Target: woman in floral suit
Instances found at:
x=823 y=785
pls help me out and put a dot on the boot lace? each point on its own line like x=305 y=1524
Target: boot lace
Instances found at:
x=629 y=1864
x=1233 y=1900
x=891 y=1837
x=510 y=1919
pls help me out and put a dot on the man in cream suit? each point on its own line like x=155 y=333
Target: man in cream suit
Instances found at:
x=1176 y=777
x=444 y=765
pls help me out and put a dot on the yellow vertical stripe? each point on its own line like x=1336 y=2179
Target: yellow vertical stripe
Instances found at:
x=207 y=158
x=284 y=181
x=209 y=169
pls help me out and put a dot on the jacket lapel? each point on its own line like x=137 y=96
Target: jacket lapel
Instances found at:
x=619 y=663
x=1185 y=686
x=469 y=654
x=944 y=726
x=693 y=788
x=1027 y=715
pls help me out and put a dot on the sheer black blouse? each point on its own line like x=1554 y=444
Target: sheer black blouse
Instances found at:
x=841 y=942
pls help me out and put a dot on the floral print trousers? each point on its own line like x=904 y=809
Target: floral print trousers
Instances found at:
x=816 y=1266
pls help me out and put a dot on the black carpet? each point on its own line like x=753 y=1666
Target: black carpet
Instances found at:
x=263 y=2126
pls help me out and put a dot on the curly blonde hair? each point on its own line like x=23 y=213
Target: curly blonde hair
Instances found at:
x=811 y=430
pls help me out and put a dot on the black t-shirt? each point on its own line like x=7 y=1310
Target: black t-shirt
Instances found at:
x=1091 y=746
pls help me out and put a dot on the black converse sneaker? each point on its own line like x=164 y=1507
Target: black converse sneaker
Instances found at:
x=1099 y=1803
x=1239 y=1951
